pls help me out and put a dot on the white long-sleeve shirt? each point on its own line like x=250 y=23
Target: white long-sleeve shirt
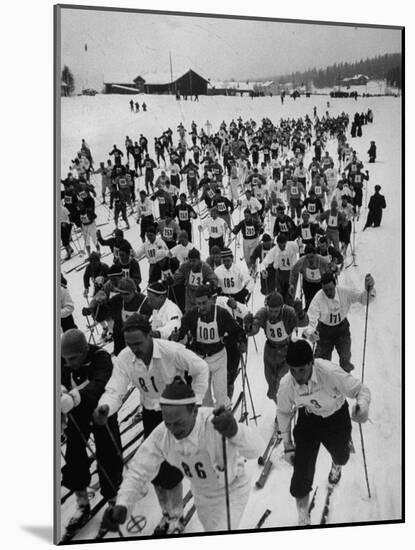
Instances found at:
x=332 y=311
x=216 y=228
x=323 y=395
x=166 y=319
x=154 y=252
x=169 y=360
x=234 y=279
x=281 y=259
x=67 y=306
x=181 y=252
x=199 y=456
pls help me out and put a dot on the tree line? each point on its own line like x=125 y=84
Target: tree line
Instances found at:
x=388 y=66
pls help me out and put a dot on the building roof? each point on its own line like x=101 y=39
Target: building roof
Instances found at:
x=355 y=77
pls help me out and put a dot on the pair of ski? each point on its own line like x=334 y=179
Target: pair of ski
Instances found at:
x=265 y=460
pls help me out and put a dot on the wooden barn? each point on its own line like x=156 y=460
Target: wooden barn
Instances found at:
x=124 y=87
x=190 y=83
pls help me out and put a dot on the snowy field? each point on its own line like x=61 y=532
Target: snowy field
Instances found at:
x=106 y=120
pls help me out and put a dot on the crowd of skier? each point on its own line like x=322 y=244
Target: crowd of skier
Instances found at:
x=220 y=213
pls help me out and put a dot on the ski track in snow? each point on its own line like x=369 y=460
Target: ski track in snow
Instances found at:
x=105 y=120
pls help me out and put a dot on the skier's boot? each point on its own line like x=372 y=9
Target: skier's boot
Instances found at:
x=335 y=474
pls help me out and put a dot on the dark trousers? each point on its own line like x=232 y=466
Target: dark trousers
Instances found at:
x=282 y=284
x=186 y=226
x=233 y=359
x=216 y=242
x=76 y=471
x=268 y=284
x=67 y=323
x=333 y=432
x=146 y=221
x=337 y=337
x=310 y=290
x=169 y=476
x=66 y=229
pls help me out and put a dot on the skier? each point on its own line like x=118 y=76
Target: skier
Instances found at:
x=67 y=307
x=166 y=315
x=206 y=326
x=232 y=280
x=317 y=389
x=328 y=318
x=278 y=322
x=85 y=369
x=251 y=230
x=150 y=364
x=376 y=205
x=282 y=257
x=193 y=440
x=131 y=105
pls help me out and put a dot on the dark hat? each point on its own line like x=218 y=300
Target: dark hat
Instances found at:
x=194 y=254
x=309 y=249
x=328 y=278
x=94 y=257
x=299 y=353
x=157 y=288
x=226 y=253
x=266 y=238
x=203 y=290
x=126 y=285
x=118 y=233
x=178 y=393
x=274 y=300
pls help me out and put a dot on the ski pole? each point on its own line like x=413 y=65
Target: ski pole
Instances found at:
x=225 y=467
x=357 y=407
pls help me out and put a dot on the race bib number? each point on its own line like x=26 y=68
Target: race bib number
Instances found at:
x=221 y=207
x=195 y=279
x=122 y=183
x=151 y=252
x=228 y=282
x=183 y=215
x=210 y=194
x=358 y=178
x=294 y=190
x=312 y=274
x=311 y=208
x=162 y=200
x=306 y=233
x=250 y=231
x=214 y=229
x=353 y=167
x=332 y=221
x=317 y=189
x=334 y=318
x=283 y=227
x=168 y=232
x=84 y=218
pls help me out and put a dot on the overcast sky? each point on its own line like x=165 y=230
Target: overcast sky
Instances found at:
x=125 y=45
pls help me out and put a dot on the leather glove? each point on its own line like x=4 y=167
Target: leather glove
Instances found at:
x=369 y=282
x=113 y=517
x=224 y=422
x=311 y=335
x=264 y=274
x=86 y=311
x=360 y=413
x=85 y=293
x=100 y=415
x=242 y=347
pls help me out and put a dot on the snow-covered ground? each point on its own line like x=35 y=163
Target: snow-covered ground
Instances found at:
x=106 y=120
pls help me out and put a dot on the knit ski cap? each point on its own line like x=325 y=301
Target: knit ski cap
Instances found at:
x=194 y=254
x=178 y=393
x=157 y=288
x=299 y=353
x=274 y=300
x=137 y=321
x=94 y=257
x=118 y=233
x=226 y=253
x=126 y=285
x=266 y=238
